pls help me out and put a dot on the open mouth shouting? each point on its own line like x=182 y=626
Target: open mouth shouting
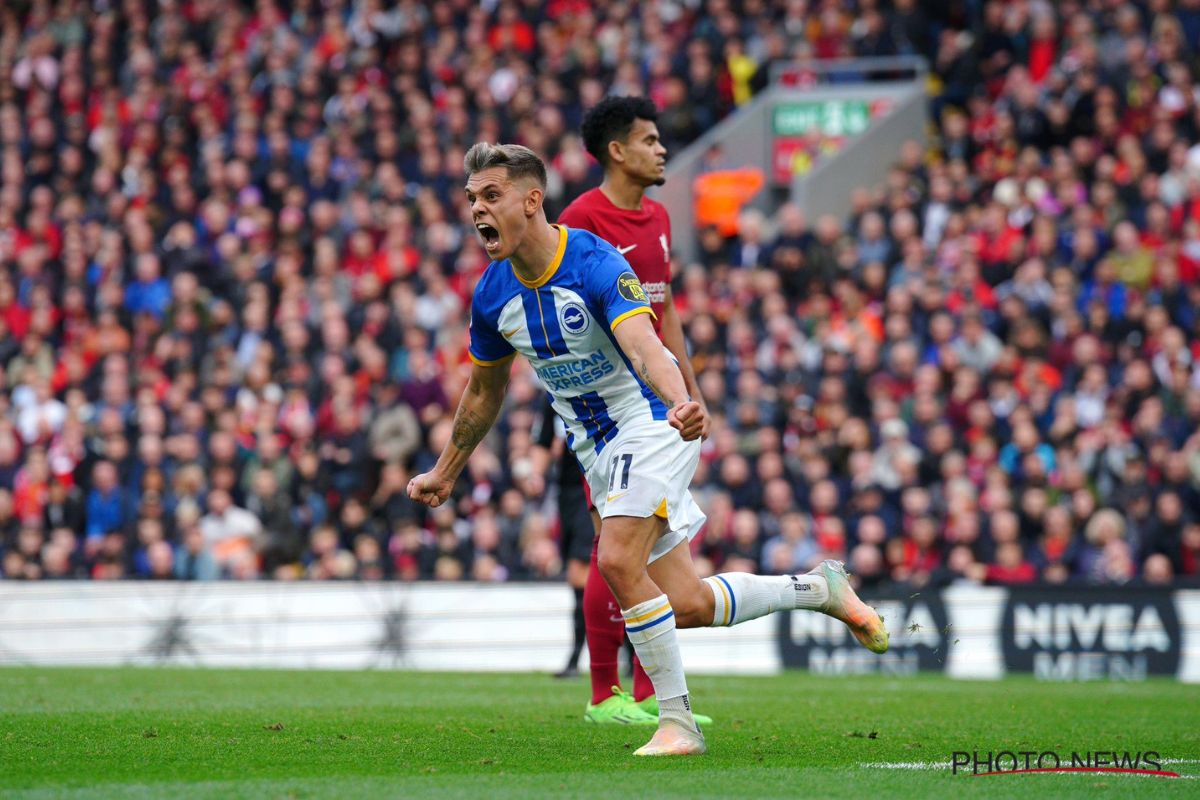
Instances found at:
x=490 y=237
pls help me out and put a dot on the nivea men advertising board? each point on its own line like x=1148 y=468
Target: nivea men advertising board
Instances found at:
x=1090 y=633
x=821 y=644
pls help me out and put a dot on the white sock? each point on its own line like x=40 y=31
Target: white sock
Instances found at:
x=677 y=709
x=740 y=596
x=651 y=629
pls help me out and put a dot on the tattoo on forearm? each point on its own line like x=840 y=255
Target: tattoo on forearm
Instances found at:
x=644 y=370
x=469 y=429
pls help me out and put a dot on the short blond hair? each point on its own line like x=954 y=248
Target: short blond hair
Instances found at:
x=518 y=161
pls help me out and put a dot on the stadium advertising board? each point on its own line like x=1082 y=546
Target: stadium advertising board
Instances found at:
x=803 y=132
x=920 y=641
x=966 y=631
x=1089 y=634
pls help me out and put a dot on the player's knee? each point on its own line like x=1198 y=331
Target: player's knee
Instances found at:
x=618 y=569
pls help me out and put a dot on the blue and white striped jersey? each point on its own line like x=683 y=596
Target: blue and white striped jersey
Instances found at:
x=563 y=323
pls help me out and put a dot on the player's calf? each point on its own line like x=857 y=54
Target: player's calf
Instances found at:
x=693 y=609
x=651 y=629
x=625 y=544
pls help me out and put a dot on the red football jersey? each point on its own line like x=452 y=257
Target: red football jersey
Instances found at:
x=642 y=237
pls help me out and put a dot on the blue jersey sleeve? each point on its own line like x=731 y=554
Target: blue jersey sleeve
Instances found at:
x=488 y=348
x=615 y=290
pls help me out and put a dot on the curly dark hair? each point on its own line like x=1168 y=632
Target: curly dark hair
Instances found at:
x=611 y=119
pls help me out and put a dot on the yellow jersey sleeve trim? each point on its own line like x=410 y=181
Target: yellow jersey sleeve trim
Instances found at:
x=545 y=277
x=633 y=312
x=496 y=363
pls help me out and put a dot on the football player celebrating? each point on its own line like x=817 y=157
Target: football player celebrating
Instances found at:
x=568 y=302
x=621 y=133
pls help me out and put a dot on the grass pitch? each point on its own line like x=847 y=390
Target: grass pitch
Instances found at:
x=184 y=733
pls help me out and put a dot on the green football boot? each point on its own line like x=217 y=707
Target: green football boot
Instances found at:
x=619 y=709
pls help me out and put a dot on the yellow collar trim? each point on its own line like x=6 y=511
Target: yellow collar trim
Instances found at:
x=545 y=277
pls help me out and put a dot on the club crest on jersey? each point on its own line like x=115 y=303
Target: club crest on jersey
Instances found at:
x=574 y=318
x=631 y=288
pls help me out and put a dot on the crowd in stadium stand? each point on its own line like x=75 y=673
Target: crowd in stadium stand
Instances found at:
x=235 y=265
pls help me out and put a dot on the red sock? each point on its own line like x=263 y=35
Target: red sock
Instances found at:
x=605 y=632
x=642 y=687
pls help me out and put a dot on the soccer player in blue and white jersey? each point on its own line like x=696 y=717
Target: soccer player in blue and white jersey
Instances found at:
x=567 y=301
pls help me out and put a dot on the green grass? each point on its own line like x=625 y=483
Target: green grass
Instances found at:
x=181 y=733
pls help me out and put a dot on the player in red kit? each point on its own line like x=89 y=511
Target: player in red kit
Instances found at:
x=622 y=134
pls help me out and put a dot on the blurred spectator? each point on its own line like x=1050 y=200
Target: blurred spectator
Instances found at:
x=106 y=503
x=792 y=549
x=1157 y=570
x=193 y=560
x=327 y=560
x=228 y=530
x=895 y=449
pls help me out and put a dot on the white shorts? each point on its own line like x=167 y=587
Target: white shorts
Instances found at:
x=645 y=472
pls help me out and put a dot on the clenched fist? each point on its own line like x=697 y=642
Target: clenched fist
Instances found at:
x=690 y=419
x=431 y=488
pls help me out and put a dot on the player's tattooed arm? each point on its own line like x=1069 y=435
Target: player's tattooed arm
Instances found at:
x=477 y=412
x=673 y=338
x=469 y=428
x=650 y=359
x=636 y=337
x=644 y=371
